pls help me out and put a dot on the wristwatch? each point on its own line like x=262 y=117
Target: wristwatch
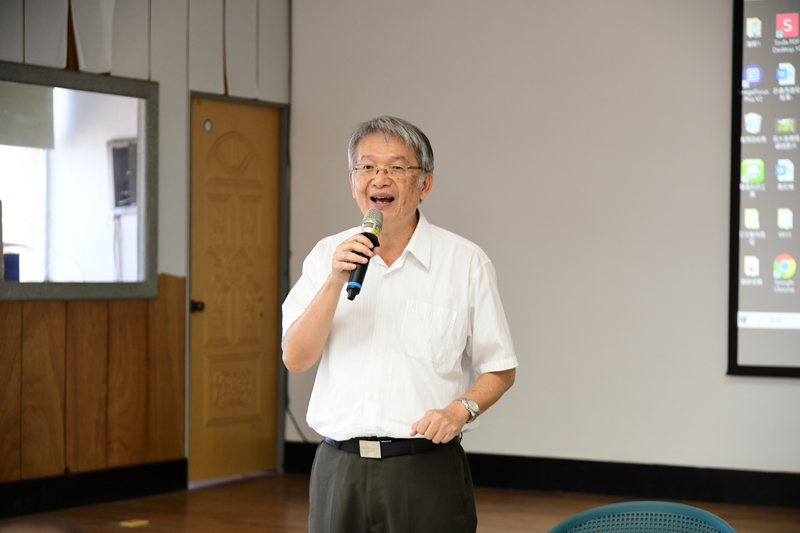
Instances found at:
x=472 y=407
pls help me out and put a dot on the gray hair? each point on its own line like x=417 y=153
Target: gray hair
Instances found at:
x=403 y=131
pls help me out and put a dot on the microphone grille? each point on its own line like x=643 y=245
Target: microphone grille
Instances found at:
x=373 y=221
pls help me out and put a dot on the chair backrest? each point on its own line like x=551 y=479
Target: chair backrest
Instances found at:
x=644 y=517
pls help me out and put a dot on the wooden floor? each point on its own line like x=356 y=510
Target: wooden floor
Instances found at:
x=279 y=503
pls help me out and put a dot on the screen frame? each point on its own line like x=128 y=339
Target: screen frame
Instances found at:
x=734 y=368
x=148 y=91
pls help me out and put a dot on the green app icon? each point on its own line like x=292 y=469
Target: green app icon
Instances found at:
x=752 y=171
x=785 y=125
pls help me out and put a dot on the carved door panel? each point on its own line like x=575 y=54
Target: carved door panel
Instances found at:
x=234 y=339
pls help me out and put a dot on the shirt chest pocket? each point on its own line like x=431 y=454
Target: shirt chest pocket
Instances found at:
x=428 y=331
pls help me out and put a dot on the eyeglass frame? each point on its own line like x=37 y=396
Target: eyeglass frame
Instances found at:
x=385 y=169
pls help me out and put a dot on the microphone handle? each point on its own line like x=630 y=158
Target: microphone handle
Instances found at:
x=357 y=275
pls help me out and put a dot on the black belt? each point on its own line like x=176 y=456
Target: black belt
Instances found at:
x=377 y=448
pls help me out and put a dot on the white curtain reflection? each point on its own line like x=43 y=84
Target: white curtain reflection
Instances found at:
x=23 y=180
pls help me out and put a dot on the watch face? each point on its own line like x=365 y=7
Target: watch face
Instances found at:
x=473 y=405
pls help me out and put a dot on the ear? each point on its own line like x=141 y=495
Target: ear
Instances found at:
x=352 y=185
x=427 y=185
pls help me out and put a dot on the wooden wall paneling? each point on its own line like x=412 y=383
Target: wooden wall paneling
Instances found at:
x=43 y=376
x=10 y=389
x=273 y=50
x=206 y=63
x=166 y=362
x=241 y=48
x=127 y=383
x=93 y=22
x=46 y=32
x=86 y=385
x=11 y=39
x=130 y=48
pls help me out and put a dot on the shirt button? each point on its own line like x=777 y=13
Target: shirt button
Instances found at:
x=377 y=356
x=382 y=316
x=371 y=396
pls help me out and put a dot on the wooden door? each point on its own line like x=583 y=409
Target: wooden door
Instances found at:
x=233 y=383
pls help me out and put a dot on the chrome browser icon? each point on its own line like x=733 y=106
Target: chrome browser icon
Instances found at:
x=784 y=267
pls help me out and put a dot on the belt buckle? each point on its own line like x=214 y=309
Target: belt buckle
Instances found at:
x=370 y=449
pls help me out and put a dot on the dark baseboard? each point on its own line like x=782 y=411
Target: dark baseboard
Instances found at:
x=86 y=488
x=637 y=480
x=618 y=479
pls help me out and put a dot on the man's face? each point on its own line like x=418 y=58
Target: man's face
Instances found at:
x=396 y=198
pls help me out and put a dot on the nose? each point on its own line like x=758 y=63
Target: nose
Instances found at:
x=382 y=175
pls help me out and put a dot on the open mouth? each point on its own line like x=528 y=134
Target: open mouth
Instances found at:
x=381 y=200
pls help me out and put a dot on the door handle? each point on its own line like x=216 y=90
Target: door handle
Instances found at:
x=196 y=306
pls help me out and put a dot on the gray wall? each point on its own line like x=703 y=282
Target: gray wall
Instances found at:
x=585 y=146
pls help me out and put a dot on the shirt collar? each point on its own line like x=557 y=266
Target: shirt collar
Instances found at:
x=420 y=244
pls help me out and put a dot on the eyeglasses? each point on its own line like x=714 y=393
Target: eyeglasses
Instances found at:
x=393 y=171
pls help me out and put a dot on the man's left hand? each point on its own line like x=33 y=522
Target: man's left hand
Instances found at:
x=441 y=425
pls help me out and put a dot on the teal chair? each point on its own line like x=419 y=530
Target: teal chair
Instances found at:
x=644 y=517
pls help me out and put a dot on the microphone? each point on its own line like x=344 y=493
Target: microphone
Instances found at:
x=371 y=226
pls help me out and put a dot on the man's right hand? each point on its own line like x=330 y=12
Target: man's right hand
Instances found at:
x=345 y=257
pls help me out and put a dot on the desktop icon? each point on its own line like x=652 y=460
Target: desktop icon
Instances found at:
x=784 y=267
x=786 y=25
x=784 y=170
x=752 y=171
x=785 y=218
x=785 y=74
x=752 y=123
x=785 y=125
x=751 y=269
x=753 y=28
x=752 y=76
x=751 y=218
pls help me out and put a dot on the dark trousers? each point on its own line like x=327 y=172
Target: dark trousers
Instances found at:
x=420 y=493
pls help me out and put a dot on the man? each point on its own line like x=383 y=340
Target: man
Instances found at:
x=396 y=383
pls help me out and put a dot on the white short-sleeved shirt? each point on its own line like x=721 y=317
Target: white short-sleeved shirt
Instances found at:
x=414 y=339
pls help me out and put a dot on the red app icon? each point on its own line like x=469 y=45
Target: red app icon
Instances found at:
x=786 y=25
